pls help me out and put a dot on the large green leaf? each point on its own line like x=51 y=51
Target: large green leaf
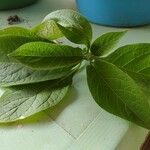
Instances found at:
x=17 y=31
x=20 y=102
x=104 y=44
x=74 y=27
x=135 y=58
x=118 y=93
x=48 y=30
x=43 y=56
x=17 y=74
x=9 y=43
x=143 y=81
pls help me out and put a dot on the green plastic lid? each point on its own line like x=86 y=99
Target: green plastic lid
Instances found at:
x=12 y=4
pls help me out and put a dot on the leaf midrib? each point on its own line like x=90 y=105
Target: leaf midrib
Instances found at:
x=50 y=56
x=135 y=59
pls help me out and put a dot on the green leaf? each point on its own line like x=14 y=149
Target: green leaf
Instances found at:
x=43 y=56
x=10 y=43
x=17 y=31
x=74 y=27
x=118 y=93
x=48 y=30
x=143 y=81
x=135 y=58
x=20 y=102
x=16 y=74
x=105 y=43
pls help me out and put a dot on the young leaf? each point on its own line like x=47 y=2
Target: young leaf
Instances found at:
x=17 y=74
x=104 y=44
x=20 y=102
x=135 y=58
x=43 y=56
x=74 y=27
x=9 y=43
x=17 y=31
x=118 y=93
x=48 y=30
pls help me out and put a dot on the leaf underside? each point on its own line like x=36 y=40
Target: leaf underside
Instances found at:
x=17 y=74
x=73 y=26
x=19 y=102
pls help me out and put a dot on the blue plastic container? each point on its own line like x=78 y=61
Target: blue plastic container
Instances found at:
x=121 y=13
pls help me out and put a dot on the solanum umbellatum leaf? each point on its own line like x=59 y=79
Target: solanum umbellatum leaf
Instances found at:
x=19 y=102
x=106 y=42
x=44 y=56
x=116 y=92
x=73 y=26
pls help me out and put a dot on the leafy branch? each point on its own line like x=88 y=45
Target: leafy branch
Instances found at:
x=36 y=71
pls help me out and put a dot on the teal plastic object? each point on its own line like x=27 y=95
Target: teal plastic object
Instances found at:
x=13 y=4
x=122 y=13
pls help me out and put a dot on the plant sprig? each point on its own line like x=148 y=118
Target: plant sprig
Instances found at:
x=37 y=72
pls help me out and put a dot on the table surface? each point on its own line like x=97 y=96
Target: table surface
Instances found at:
x=76 y=123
